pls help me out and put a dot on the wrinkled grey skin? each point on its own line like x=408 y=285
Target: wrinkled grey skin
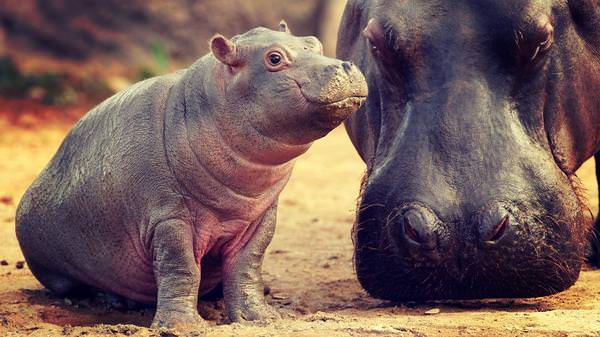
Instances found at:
x=479 y=113
x=170 y=187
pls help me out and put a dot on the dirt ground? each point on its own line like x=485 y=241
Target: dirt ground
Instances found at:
x=308 y=266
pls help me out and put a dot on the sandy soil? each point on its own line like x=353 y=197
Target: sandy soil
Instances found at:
x=308 y=267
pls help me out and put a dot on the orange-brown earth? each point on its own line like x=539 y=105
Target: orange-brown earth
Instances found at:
x=308 y=266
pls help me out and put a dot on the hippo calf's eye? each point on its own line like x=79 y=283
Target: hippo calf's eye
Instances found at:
x=275 y=61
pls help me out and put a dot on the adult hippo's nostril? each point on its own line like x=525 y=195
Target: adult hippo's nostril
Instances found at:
x=494 y=223
x=347 y=67
x=415 y=226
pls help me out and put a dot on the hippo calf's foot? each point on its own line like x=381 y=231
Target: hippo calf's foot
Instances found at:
x=244 y=312
x=173 y=319
x=243 y=287
x=177 y=276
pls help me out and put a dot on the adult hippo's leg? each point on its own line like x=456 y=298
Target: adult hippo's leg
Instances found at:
x=594 y=253
x=243 y=287
x=177 y=276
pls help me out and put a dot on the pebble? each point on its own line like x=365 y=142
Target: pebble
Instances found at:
x=433 y=311
x=278 y=297
x=3 y=263
x=6 y=200
x=20 y=264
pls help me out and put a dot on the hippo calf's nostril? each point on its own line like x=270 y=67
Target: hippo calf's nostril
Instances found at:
x=347 y=66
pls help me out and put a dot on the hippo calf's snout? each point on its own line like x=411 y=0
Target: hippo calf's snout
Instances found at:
x=335 y=83
x=334 y=90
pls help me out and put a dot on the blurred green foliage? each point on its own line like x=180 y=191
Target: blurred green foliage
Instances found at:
x=12 y=82
x=50 y=88
x=161 y=60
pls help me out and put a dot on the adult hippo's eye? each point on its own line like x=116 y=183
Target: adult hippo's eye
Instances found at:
x=275 y=61
x=379 y=42
x=534 y=45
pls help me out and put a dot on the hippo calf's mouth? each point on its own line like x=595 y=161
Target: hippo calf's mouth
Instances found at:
x=350 y=101
x=335 y=113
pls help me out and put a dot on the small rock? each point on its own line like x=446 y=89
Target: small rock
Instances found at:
x=278 y=297
x=20 y=264
x=68 y=302
x=164 y=332
x=433 y=311
x=3 y=263
x=5 y=199
x=326 y=266
x=323 y=317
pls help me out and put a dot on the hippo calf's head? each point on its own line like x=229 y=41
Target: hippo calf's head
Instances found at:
x=479 y=113
x=284 y=87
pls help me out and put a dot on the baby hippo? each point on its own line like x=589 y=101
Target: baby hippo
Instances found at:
x=169 y=189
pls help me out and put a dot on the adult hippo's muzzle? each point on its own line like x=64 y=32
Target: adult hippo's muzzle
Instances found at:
x=479 y=113
x=478 y=225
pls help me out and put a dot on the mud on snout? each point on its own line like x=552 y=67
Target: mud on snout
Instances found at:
x=334 y=93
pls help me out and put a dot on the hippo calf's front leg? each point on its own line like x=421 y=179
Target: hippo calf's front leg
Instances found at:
x=177 y=276
x=243 y=287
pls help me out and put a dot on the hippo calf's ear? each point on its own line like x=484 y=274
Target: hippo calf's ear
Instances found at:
x=283 y=27
x=224 y=50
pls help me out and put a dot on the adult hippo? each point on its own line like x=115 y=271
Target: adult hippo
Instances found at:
x=479 y=113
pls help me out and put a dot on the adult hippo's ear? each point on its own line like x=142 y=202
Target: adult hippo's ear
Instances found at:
x=224 y=50
x=283 y=27
x=365 y=125
x=572 y=107
x=354 y=20
x=586 y=15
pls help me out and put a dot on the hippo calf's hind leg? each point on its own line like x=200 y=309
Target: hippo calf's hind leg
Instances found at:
x=60 y=285
x=177 y=276
x=594 y=257
x=243 y=287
